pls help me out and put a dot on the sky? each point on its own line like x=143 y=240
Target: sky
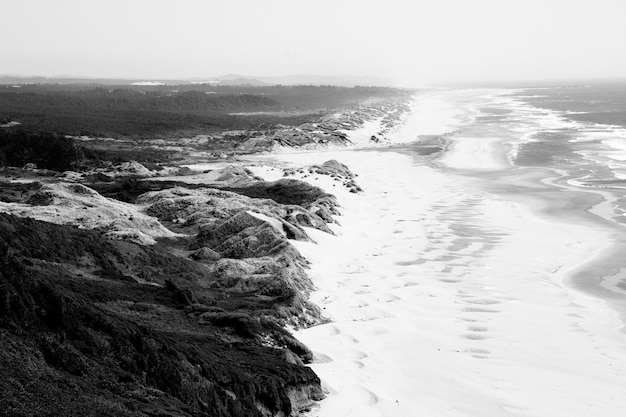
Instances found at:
x=413 y=42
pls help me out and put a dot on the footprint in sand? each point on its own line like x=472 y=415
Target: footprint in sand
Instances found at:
x=461 y=294
x=366 y=318
x=474 y=336
x=483 y=302
x=349 y=339
x=352 y=365
x=355 y=354
x=477 y=329
x=479 y=310
x=330 y=330
x=417 y=261
x=390 y=298
x=449 y=280
x=360 y=396
x=468 y=320
x=479 y=353
x=378 y=331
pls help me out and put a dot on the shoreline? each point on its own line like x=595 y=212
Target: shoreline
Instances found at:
x=443 y=301
x=546 y=192
x=456 y=283
x=542 y=189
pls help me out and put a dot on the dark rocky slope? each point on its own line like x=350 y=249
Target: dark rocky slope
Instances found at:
x=94 y=327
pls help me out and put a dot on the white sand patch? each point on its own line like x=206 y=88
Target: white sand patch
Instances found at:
x=10 y=124
x=267 y=172
x=212 y=166
x=475 y=154
x=432 y=113
x=361 y=136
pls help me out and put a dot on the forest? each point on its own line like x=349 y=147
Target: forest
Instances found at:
x=171 y=111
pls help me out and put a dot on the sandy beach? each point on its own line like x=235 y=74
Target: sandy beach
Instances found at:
x=459 y=285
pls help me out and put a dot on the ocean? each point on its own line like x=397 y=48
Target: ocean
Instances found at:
x=578 y=130
x=482 y=279
x=590 y=130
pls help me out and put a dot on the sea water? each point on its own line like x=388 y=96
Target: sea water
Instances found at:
x=444 y=283
x=578 y=132
x=581 y=128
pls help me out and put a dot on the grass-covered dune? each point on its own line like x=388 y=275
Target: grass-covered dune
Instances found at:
x=93 y=327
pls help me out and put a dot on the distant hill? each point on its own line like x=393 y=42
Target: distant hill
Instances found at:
x=226 y=80
x=18 y=80
x=303 y=79
x=339 y=80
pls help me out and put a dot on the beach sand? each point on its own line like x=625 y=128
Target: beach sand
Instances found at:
x=456 y=286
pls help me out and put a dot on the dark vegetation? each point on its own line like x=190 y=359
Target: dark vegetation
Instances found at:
x=170 y=111
x=284 y=191
x=17 y=192
x=19 y=147
x=94 y=327
x=46 y=150
x=82 y=336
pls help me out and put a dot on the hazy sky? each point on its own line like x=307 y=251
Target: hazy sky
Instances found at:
x=414 y=41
